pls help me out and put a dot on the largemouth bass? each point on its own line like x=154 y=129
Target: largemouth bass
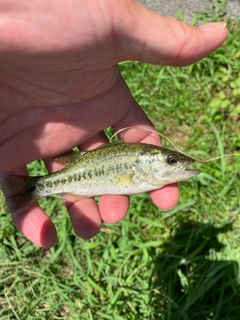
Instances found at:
x=121 y=169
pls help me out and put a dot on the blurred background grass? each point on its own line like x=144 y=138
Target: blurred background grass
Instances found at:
x=180 y=264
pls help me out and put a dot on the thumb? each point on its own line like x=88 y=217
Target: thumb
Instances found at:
x=157 y=39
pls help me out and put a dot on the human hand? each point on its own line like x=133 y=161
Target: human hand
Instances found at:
x=60 y=87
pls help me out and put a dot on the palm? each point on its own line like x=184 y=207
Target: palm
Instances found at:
x=57 y=117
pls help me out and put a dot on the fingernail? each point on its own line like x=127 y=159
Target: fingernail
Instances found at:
x=213 y=26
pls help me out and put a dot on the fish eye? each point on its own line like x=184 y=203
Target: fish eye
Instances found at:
x=172 y=159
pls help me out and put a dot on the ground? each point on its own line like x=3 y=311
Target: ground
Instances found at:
x=189 y=7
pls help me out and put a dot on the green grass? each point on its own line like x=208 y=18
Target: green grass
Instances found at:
x=181 y=264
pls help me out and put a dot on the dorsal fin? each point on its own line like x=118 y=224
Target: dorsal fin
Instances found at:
x=66 y=159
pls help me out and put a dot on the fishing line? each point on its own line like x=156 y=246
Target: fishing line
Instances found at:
x=175 y=147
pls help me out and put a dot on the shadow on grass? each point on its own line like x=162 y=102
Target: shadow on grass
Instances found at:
x=189 y=283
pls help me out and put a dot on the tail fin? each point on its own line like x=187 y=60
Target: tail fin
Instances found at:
x=18 y=191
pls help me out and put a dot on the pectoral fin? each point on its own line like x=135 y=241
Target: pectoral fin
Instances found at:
x=124 y=179
x=72 y=197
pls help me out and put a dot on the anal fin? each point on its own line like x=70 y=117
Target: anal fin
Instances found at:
x=124 y=179
x=72 y=197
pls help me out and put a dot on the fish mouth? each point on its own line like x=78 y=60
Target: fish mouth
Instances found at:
x=189 y=173
x=192 y=173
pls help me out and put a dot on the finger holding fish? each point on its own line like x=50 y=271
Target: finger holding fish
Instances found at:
x=85 y=217
x=36 y=225
x=167 y=197
x=113 y=208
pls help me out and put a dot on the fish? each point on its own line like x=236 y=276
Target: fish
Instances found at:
x=112 y=169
